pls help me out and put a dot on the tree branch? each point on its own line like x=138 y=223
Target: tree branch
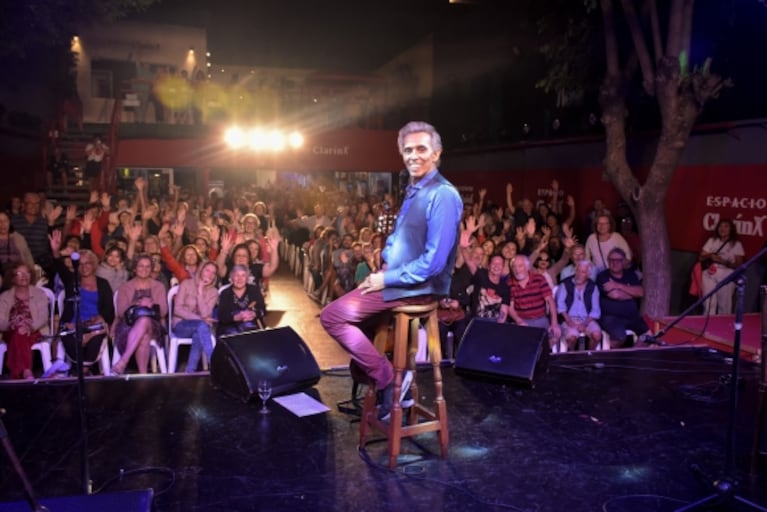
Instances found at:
x=686 y=34
x=611 y=42
x=648 y=72
x=657 y=43
x=674 y=39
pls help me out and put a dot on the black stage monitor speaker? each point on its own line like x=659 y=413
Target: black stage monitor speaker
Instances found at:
x=502 y=352
x=124 y=501
x=279 y=355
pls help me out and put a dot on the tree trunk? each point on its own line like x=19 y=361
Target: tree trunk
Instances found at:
x=656 y=252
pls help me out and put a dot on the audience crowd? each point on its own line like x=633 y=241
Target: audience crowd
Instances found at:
x=518 y=262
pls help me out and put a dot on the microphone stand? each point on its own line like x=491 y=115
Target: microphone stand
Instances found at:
x=724 y=488
x=29 y=493
x=75 y=300
x=757 y=448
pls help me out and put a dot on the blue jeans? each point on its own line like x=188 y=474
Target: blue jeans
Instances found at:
x=200 y=333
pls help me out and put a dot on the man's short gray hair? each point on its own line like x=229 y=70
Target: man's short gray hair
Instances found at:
x=419 y=127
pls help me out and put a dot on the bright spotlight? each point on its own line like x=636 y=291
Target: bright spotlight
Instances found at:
x=276 y=141
x=235 y=137
x=296 y=140
x=257 y=139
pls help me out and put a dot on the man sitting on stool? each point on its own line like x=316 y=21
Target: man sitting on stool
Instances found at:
x=419 y=256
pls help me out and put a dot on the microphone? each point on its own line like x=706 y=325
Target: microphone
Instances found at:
x=75 y=257
x=649 y=339
x=404 y=181
x=88 y=328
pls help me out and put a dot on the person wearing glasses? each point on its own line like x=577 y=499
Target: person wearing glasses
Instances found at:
x=619 y=290
x=24 y=317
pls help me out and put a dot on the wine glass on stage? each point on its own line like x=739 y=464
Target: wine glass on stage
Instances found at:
x=264 y=391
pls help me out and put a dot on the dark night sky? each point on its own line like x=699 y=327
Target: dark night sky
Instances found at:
x=343 y=35
x=358 y=36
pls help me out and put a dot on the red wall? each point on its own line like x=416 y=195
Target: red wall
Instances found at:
x=340 y=150
x=698 y=197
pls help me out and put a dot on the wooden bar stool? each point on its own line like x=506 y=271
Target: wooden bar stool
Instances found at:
x=406 y=322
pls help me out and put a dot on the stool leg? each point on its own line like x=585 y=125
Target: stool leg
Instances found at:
x=401 y=327
x=435 y=355
x=368 y=409
x=412 y=417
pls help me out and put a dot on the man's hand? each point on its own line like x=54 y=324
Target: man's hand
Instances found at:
x=372 y=283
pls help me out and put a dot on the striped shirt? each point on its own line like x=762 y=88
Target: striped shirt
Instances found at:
x=530 y=301
x=36 y=236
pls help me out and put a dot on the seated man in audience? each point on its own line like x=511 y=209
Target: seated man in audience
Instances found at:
x=578 y=303
x=619 y=288
x=531 y=298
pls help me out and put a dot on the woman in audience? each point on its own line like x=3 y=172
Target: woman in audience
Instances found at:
x=13 y=246
x=113 y=267
x=367 y=266
x=721 y=253
x=187 y=263
x=542 y=265
x=193 y=313
x=142 y=324
x=603 y=240
x=96 y=310
x=508 y=251
x=24 y=317
x=241 y=306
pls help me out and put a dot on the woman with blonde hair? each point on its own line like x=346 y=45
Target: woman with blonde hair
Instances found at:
x=193 y=313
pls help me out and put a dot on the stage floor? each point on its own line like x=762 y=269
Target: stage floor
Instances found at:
x=614 y=431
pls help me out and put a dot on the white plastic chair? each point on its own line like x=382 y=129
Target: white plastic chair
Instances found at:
x=104 y=362
x=3 y=348
x=175 y=341
x=157 y=359
x=44 y=346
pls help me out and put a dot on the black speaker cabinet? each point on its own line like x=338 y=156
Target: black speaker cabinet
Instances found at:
x=279 y=355
x=125 y=501
x=502 y=352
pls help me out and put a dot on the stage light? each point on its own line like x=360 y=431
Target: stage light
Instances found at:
x=207 y=54
x=296 y=140
x=257 y=139
x=276 y=141
x=235 y=137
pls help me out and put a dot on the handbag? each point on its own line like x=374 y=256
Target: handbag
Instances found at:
x=134 y=312
x=704 y=264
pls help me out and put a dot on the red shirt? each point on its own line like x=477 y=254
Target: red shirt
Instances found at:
x=530 y=302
